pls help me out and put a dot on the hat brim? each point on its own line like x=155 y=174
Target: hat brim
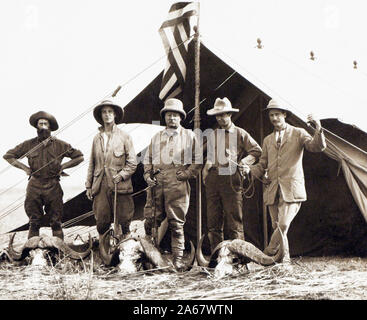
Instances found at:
x=164 y=110
x=118 y=111
x=289 y=113
x=213 y=112
x=33 y=120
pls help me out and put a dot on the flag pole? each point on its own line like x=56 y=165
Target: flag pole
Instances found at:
x=197 y=125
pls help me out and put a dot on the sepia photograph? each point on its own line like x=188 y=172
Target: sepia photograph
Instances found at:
x=183 y=156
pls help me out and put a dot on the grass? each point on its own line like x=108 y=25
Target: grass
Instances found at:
x=316 y=278
x=305 y=278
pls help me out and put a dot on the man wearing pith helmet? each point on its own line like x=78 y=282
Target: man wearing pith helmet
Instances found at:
x=282 y=158
x=174 y=153
x=112 y=163
x=227 y=147
x=45 y=154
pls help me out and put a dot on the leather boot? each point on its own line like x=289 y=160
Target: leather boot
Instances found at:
x=58 y=233
x=178 y=260
x=148 y=226
x=34 y=231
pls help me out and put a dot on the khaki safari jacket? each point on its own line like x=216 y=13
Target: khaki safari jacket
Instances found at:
x=119 y=158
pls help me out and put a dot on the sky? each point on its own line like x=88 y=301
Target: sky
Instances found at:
x=65 y=56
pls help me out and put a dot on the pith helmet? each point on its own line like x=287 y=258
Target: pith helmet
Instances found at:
x=221 y=106
x=118 y=111
x=273 y=104
x=33 y=120
x=173 y=105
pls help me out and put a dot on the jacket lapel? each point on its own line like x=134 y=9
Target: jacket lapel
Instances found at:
x=101 y=141
x=272 y=139
x=285 y=135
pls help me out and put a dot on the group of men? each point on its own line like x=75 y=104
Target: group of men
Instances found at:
x=174 y=156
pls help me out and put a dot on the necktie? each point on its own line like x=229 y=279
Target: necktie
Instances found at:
x=279 y=141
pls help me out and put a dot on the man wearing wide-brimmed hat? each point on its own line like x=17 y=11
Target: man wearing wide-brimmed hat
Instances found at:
x=227 y=146
x=45 y=154
x=282 y=155
x=174 y=153
x=112 y=163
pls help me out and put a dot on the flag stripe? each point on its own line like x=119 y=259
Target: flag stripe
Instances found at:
x=176 y=34
x=179 y=5
x=172 y=81
x=174 y=93
x=181 y=49
x=173 y=62
x=180 y=32
x=173 y=22
x=175 y=59
x=186 y=26
x=176 y=11
x=167 y=74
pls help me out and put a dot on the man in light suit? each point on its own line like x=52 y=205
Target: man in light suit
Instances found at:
x=282 y=154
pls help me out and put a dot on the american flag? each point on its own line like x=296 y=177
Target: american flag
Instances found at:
x=176 y=33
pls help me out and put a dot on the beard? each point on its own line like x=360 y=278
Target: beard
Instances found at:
x=43 y=134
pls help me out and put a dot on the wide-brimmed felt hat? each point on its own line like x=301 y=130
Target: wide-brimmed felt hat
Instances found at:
x=273 y=104
x=221 y=106
x=33 y=119
x=174 y=105
x=118 y=111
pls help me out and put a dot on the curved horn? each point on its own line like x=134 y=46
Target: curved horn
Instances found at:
x=153 y=254
x=31 y=243
x=191 y=259
x=103 y=249
x=61 y=245
x=199 y=254
x=248 y=250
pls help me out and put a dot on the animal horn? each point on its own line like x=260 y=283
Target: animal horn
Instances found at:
x=152 y=253
x=191 y=259
x=199 y=254
x=103 y=249
x=30 y=244
x=248 y=250
x=61 y=245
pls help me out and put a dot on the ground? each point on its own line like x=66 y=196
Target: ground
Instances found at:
x=335 y=278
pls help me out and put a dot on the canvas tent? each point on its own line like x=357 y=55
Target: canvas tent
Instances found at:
x=333 y=220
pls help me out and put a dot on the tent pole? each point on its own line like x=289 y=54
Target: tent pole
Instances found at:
x=197 y=126
x=264 y=208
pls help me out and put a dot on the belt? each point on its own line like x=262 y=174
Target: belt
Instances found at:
x=42 y=179
x=169 y=166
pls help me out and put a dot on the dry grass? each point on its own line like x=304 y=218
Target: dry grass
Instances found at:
x=305 y=278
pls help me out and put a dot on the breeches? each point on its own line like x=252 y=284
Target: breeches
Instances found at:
x=103 y=205
x=44 y=194
x=224 y=206
x=170 y=198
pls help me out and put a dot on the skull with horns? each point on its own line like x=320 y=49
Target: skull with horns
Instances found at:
x=229 y=253
x=135 y=253
x=39 y=247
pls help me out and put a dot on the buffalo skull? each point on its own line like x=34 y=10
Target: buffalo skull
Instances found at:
x=38 y=247
x=135 y=253
x=229 y=252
